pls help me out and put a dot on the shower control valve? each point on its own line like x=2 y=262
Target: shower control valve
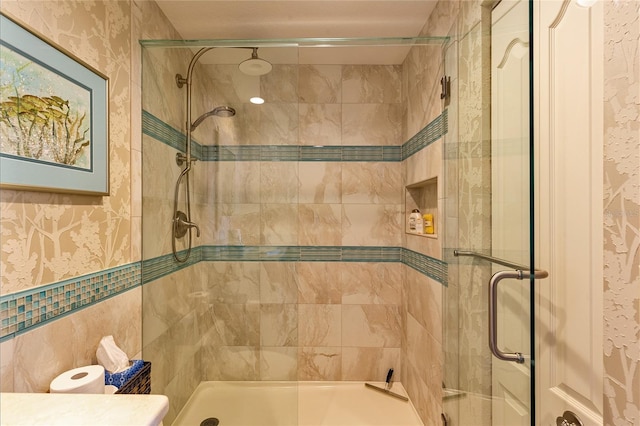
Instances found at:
x=182 y=225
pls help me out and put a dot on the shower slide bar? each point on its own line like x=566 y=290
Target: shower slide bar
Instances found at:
x=520 y=273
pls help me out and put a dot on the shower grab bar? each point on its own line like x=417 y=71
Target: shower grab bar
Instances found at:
x=520 y=272
x=489 y=258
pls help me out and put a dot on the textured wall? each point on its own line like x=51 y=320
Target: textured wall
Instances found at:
x=622 y=213
x=50 y=237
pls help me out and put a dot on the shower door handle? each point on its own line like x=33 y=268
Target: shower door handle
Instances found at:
x=493 y=318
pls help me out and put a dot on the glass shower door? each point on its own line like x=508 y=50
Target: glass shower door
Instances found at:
x=509 y=297
x=488 y=302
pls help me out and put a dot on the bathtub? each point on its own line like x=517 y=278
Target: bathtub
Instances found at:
x=296 y=403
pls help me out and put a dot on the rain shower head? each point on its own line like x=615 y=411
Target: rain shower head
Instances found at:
x=255 y=65
x=221 y=111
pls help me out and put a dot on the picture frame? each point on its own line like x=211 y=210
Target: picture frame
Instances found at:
x=54 y=131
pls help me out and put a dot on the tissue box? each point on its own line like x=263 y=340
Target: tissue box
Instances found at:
x=140 y=383
x=119 y=379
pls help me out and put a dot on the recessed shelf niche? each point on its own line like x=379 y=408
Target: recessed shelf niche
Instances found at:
x=424 y=197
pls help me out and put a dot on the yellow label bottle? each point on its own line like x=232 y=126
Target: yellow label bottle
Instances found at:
x=428 y=223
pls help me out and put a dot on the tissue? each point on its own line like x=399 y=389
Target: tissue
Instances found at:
x=110 y=356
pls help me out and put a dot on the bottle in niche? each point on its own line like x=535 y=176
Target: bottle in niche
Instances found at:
x=428 y=223
x=419 y=224
x=413 y=218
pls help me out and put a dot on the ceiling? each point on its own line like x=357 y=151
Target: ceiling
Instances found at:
x=264 y=19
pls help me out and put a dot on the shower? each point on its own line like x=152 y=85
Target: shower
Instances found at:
x=234 y=309
x=221 y=111
x=181 y=222
x=255 y=65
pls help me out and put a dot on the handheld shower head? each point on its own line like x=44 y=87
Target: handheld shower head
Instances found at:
x=221 y=111
x=255 y=65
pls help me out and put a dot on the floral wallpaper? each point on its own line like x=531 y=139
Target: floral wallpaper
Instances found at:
x=622 y=214
x=50 y=237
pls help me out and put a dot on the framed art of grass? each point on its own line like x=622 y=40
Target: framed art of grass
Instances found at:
x=53 y=117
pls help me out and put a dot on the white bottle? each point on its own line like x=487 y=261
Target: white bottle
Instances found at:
x=413 y=220
x=419 y=224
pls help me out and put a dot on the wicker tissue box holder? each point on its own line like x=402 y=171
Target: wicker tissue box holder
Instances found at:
x=134 y=380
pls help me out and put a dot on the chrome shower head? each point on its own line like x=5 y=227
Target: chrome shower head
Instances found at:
x=255 y=65
x=221 y=111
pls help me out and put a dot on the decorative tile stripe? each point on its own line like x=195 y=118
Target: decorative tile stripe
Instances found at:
x=300 y=153
x=164 y=265
x=161 y=131
x=429 y=134
x=26 y=309
x=158 y=267
x=156 y=128
x=429 y=266
x=371 y=153
x=372 y=254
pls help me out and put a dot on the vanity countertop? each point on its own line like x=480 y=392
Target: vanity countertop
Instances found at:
x=82 y=409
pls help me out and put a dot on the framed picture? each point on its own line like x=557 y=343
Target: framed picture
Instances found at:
x=53 y=117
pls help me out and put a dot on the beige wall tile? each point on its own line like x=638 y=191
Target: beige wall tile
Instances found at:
x=281 y=84
x=371 y=84
x=371 y=283
x=279 y=363
x=232 y=282
x=279 y=224
x=279 y=182
x=231 y=363
x=370 y=364
x=371 y=325
x=236 y=182
x=278 y=282
x=320 y=84
x=319 y=325
x=271 y=124
x=233 y=224
x=371 y=224
x=323 y=363
x=279 y=325
x=364 y=183
x=372 y=124
x=6 y=365
x=319 y=224
x=320 y=183
x=320 y=124
x=318 y=282
x=235 y=325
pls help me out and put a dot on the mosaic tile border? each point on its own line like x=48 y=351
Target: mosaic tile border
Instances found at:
x=26 y=309
x=159 y=130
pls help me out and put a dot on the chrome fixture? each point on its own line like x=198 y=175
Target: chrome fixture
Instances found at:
x=181 y=223
x=520 y=272
x=255 y=65
x=221 y=111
